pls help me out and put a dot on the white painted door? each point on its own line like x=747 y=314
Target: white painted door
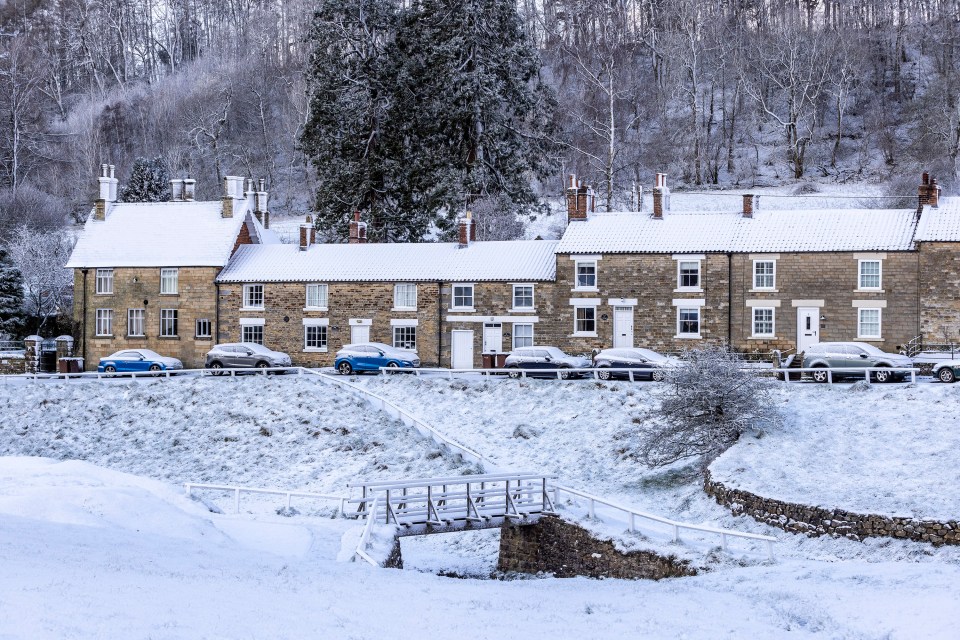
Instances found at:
x=461 y=345
x=359 y=333
x=808 y=327
x=492 y=338
x=622 y=327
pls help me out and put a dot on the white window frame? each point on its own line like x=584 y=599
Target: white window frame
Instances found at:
x=699 y=311
x=773 y=276
x=863 y=336
x=404 y=329
x=577 y=332
x=253 y=328
x=453 y=296
x=533 y=299
x=196 y=328
x=104 y=323
x=879 y=274
x=142 y=321
x=320 y=328
x=104 y=282
x=169 y=281
x=165 y=318
x=576 y=274
x=695 y=288
x=322 y=293
x=401 y=293
x=248 y=290
x=513 y=337
x=773 y=322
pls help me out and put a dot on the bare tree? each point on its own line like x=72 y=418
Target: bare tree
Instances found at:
x=40 y=258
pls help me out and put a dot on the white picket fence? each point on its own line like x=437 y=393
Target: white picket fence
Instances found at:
x=190 y=487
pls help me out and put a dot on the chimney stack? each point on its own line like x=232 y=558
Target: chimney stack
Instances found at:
x=928 y=193
x=577 y=200
x=466 y=230
x=232 y=191
x=358 y=230
x=661 y=197
x=113 y=185
x=108 y=191
x=260 y=205
x=307 y=234
x=176 y=190
x=748 y=204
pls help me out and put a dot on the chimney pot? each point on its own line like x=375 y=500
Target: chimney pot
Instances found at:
x=661 y=197
x=354 y=237
x=176 y=190
x=465 y=231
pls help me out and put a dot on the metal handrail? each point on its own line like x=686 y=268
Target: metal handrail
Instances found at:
x=831 y=370
x=365 y=536
x=237 y=490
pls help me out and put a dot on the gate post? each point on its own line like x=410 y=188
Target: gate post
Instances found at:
x=31 y=356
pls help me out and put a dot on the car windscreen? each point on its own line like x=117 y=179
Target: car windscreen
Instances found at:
x=554 y=353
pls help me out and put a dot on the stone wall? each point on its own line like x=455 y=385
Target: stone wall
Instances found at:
x=817 y=521
x=940 y=291
x=139 y=288
x=557 y=547
x=12 y=363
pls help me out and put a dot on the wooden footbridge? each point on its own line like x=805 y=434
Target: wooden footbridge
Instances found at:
x=438 y=505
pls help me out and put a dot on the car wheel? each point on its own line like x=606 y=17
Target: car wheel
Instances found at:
x=344 y=368
x=603 y=374
x=263 y=365
x=217 y=368
x=820 y=375
x=564 y=375
x=658 y=376
x=393 y=365
x=883 y=376
x=155 y=368
x=513 y=373
x=946 y=374
x=109 y=369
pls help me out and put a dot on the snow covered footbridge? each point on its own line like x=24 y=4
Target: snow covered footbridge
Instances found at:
x=439 y=505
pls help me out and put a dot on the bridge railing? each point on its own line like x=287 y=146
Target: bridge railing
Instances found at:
x=454 y=500
x=674 y=526
x=190 y=487
x=848 y=372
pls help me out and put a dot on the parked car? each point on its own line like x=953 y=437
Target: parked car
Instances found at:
x=237 y=355
x=130 y=360
x=370 y=356
x=832 y=355
x=536 y=359
x=947 y=371
x=645 y=363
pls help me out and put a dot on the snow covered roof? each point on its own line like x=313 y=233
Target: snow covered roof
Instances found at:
x=767 y=231
x=163 y=234
x=514 y=261
x=940 y=224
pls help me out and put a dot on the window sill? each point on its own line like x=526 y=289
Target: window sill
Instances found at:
x=170 y=295
x=585 y=290
x=462 y=310
x=316 y=350
x=524 y=310
x=138 y=337
x=583 y=334
x=763 y=291
x=687 y=290
x=251 y=308
x=103 y=335
x=204 y=338
x=688 y=336
x=323 y=309
x=168 y=337
x=864 y=339
x=404 y=309
x=104 y=294
x=762 y=338
x=869 y=291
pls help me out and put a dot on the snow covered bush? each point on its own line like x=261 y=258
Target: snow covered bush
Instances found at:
x=709 y=403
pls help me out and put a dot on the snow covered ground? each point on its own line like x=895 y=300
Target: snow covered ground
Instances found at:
x=90 y=552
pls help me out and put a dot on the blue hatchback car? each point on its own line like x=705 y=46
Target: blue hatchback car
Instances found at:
x=133 y=360
x=370 y=356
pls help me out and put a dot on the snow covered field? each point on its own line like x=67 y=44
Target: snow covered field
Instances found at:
x=90 y=552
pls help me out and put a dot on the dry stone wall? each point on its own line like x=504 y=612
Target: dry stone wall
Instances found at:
x=817 y=521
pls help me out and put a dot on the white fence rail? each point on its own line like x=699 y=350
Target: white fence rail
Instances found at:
x=170 y=373
x=848 y=372
x=560 y=374
x=361 y=550
x=190 y=487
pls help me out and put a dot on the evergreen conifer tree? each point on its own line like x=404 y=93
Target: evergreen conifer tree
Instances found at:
x=149 y=182
x=12 y=317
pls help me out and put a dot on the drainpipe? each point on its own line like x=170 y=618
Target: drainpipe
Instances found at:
x=439 y=319
x=919 y=283
x=83 y=337
x=729 y=300
x=216 y=315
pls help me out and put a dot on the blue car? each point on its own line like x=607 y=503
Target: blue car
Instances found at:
x=371 y=356
x=135 y=360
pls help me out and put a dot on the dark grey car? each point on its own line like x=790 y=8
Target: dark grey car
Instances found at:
x=852 y=355
x=245 y=355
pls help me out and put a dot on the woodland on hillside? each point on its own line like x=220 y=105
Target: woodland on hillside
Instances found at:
x=730 y=93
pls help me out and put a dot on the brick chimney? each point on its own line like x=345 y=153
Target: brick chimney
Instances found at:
x=307 y=234
x=661 y=197
x=358 y=230
x=748 y=205
x=108 y=191
x=577 y=200
x=928 y=193
x=260 y=204
x=466 y=230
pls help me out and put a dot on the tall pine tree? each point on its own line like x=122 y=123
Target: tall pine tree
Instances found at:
x=417 y=111
x=12 y=317
x=149 y=182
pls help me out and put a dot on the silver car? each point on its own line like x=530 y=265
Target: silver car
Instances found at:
x=645 y=363
x=852 y=355
x=536 y=359
x=245 y=355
